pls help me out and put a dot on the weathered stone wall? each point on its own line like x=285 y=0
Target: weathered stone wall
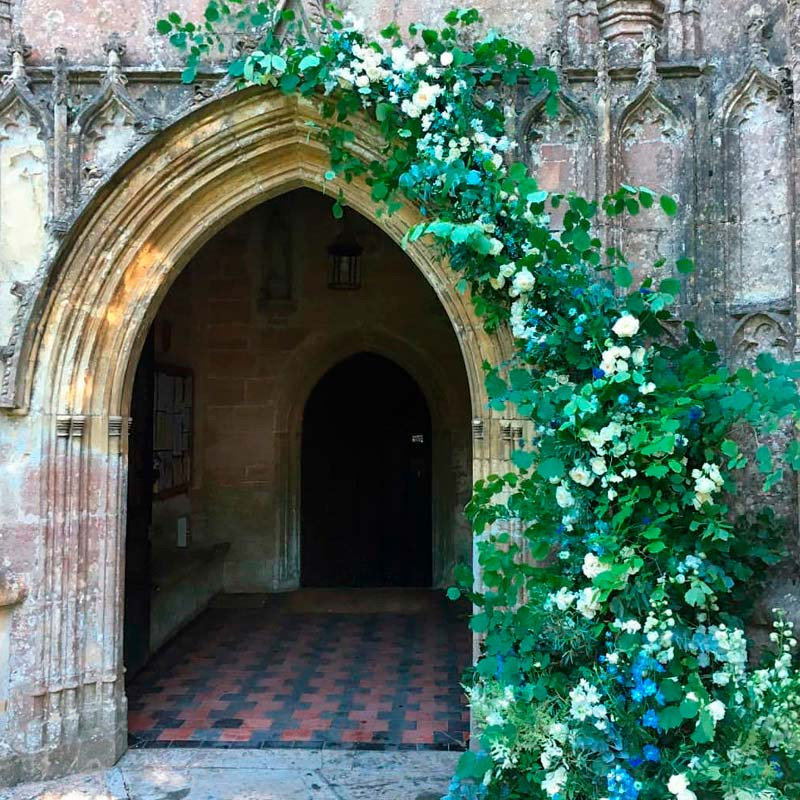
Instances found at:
x=112 y=174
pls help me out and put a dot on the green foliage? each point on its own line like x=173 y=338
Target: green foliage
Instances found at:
x=615 y=575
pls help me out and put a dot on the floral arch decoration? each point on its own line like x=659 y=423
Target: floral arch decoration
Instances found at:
x=614 y=658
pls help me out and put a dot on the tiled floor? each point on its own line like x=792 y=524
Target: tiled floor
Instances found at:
x=284 y=675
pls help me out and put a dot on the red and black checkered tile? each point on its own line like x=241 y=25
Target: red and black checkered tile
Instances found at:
x=265 y=677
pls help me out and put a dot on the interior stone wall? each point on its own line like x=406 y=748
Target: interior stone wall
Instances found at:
x=255 y=355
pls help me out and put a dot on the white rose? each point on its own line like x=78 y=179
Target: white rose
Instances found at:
x=497 y=283
x=581 y=476
x=507 y=270
x=425 y=95
x=421 y=58
x=647 y=388
x=524 y=281
x=626 y=326
x=564 y=497
x=446 y=58
x=362 y=81
x=495 y=247
x=716 y=710
x=686 y=794
x=598 y=466
x=677 y=784
x=592 y=566
x=638 y=356
x=705 y=485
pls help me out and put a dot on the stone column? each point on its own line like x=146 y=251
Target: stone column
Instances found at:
x=73 y=716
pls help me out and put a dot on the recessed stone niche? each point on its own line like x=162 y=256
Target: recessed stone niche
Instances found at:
x=622 y=20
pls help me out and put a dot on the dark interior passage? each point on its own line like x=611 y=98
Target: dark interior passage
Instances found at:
x=366 y=478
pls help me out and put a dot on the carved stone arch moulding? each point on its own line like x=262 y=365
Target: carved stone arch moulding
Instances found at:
x=653 y=147
x=754 y=132
x=561 y=151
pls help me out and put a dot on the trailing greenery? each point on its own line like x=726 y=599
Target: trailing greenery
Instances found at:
x=613 y=575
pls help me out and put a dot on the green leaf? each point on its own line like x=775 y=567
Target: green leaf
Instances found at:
x=307 y=62
x=670 y=286
x=163 y=26
x=704 y=732
x=212 y=12
x=383 y=110
x=551 y=468
x=764 y=459
x=623 y=277
x=672 y=690
x=289 y=82
x=337 y=210
x=188 y=74
x=668 y=205
x=523 y=459
x=670 y=717
x=453 y=593
x=689 y=708
x=685 y=265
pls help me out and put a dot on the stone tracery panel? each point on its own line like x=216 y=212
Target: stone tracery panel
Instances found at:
x=652 y=146
x=760 y=333
x=758 y=192
x=23 y=204
x=561 y=153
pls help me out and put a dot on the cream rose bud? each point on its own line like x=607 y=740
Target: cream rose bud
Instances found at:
x=626 y=326
x=497 y=283
x=524 y=280
x=362 y=81
x=638 y=356
x=446 y=58
x=495 y=247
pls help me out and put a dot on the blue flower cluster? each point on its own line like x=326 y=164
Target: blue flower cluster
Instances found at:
x=621 y=785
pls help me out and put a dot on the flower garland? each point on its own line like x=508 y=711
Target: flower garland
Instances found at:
x=626 y=674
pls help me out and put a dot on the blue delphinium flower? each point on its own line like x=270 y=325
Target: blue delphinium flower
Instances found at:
x=651 y=753
x=650 y=719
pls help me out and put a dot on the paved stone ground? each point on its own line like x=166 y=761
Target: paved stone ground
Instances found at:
x=255 y=775
x=312 y=669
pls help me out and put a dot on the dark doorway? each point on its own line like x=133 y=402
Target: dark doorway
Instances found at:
x=366 y=478
x=136 y=637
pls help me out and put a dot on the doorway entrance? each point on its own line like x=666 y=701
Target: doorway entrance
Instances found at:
x=366 y=478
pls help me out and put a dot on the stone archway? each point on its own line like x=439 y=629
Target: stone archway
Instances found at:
x=74 y=372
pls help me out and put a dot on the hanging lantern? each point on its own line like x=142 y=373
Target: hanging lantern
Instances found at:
x=345 y=256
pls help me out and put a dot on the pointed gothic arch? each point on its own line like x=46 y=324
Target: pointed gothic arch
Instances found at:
x=70 y=380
